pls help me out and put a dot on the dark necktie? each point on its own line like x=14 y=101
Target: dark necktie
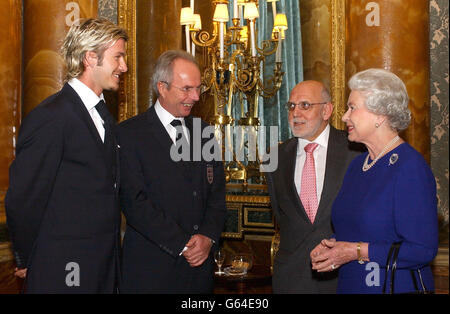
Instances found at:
x=180 y=133
x=108 y=120
x=182 y=142
x=110 y=141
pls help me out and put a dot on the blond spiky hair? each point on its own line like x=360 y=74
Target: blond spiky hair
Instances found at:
x=91 y=34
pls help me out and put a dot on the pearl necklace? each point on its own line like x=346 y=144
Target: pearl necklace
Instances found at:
x=367 y=166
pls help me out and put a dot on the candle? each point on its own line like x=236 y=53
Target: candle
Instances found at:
x=193 y=45
x=221 y=40
x=188 y=39
x=252 y=37
x=241 y=14
x=235 y=9
x=274 y=10
x=278 y=54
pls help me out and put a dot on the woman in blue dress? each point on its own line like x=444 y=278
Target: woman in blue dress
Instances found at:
x=388 y=195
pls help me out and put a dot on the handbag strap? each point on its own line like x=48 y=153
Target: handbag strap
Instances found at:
x=394 y=265
x=422 y=289
x=388 y=266
x=393 y=253
x=391 y=266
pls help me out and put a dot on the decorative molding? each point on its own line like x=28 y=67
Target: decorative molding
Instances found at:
x=128 y=87
x=250 y=211
x=338 y=79
x=252 y=199
x=240 y=207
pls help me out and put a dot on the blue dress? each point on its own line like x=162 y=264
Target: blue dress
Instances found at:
x=393 y=201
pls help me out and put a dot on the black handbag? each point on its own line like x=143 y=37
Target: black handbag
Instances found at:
x=391 y=267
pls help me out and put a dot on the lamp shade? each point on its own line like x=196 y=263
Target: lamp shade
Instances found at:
x=281 y=22
x=250 y=11
x=244 y=34
x=187 y=16
x=221 y=13
x=197 y=21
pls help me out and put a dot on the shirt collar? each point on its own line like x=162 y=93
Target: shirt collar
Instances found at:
x=322 y=140
x=165 y=116
x=87 y=95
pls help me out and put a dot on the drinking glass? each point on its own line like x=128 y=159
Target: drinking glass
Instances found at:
x=219 y=258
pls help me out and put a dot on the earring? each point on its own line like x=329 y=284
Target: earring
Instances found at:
x=377 y=125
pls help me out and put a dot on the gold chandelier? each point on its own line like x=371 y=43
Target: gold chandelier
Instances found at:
x=234 y=67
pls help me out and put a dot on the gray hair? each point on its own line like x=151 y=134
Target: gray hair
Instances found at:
x=325 y=94
x=163 y=71
x=385 y=94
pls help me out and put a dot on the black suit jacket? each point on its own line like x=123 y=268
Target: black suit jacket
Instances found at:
x=165 y=202
x=298 y=236
x=62 y=202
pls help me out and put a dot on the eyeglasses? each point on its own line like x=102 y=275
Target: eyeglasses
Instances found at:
x=303 y=105
x=186 y=90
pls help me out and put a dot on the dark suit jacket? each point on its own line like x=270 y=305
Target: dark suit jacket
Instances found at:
x=298 y=236
x=62 y=201
x=164 y=204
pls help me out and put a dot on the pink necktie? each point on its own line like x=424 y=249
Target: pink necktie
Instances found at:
x=308 y=192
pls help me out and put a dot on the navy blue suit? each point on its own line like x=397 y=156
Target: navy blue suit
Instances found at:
x=165 y=203
x=62 y=201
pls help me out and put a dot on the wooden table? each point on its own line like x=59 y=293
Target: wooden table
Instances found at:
x=257 y=281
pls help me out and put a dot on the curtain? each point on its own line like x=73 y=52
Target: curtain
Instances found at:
x=272 y=110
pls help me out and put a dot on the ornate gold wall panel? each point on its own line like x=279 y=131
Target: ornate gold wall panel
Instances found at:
x=126 y=12
x=394 y=35
x=316 y=40
x=153 y=27
x=323 y=47
x=45 y=25
x=10 y=88
x=338 y=48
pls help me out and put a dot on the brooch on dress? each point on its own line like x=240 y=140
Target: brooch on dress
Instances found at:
x=393 y=159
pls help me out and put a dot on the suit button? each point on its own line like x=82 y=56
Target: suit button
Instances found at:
x=195 y=227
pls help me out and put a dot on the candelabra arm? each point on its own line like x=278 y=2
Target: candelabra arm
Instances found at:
x=274 y=82
x=269 y=47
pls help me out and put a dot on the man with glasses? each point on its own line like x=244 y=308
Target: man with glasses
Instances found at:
x=311 y=168
x=175 y=210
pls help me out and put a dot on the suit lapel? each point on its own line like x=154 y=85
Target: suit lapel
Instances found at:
x=80 y=109
x=159 y=132
x=335 y=165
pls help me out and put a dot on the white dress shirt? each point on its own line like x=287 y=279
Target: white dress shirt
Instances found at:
x=166 y=117
x=320 y=161
x=90 y=100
